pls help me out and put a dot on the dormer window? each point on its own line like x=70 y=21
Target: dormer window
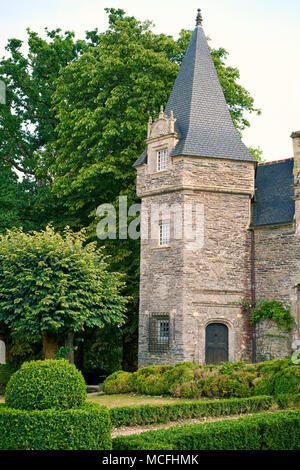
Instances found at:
x=162 y=159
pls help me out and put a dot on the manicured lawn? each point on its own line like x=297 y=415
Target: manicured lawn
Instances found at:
x=113 y=401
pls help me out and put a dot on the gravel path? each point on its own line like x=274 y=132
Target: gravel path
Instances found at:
x=127 y=431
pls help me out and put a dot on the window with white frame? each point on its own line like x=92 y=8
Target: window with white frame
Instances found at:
x=162 y=159
x=164 y=234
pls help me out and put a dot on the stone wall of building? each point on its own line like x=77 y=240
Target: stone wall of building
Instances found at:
x=277 y=276
x=198 y=285
x=271 y=342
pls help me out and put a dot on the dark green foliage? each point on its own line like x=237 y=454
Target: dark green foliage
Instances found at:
x=40 y=385
x=6 y=370
x=85 y=428
x=273 y=310
x=227 y=380
x=150 y=414
x=276 y=431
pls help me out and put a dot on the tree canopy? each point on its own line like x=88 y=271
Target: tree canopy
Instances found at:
x=52 y=285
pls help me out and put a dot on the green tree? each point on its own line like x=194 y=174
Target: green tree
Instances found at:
x=53 y=286
x=258 y=154
x=27 y=120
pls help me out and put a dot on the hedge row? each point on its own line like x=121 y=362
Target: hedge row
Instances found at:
x=276 y=431
x=84 y=428
x=187 y=380
x=150 y=414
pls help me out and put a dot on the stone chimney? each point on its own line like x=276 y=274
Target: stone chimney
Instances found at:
x=296 y=144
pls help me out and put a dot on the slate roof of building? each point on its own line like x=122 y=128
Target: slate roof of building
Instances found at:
x=273 y=203
x=200 y=109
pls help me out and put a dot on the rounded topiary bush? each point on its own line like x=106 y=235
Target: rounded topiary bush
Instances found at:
x=41 y=385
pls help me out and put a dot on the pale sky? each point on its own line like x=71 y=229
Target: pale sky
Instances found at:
x=261 y=36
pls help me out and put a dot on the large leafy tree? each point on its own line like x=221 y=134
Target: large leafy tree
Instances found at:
x=27 y=120
x=54 y=286
x=76 y=119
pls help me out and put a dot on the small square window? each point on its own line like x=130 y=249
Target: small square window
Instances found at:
x=164 y=234
x=162 y=159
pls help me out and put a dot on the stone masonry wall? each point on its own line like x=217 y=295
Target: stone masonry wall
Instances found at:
x=203 y=285
x=277 y=276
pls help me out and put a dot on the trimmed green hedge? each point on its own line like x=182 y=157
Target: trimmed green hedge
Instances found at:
x=150 y=414
x=40 y=385
x=187 y=380
x=84 y=428
x=276 y=431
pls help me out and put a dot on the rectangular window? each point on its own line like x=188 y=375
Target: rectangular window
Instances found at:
x=164 y=234
x=163 y=331
x=159 y=333
x=162 y=159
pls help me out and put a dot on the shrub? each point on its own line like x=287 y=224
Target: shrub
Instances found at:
x=150 y=414
x=84 y=428
x=6 y=370
x=119 y=382
x=40 y=385
x=227 y=380
x=287 y=381
x=276 y=431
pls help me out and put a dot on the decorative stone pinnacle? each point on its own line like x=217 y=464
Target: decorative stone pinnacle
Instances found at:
x=199 y=18
x=295 y=134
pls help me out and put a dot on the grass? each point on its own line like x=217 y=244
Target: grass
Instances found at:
x=114 y=401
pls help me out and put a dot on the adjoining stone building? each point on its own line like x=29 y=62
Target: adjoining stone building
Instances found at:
x=218 y=230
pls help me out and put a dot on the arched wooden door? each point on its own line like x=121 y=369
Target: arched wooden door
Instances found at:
x=216 y=343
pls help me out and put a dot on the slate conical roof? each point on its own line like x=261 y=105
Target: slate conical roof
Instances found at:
x=200 y=108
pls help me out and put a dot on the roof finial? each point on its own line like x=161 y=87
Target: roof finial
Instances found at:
x=199 y=18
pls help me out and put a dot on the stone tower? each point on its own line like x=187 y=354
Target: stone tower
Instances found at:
x=196 y=181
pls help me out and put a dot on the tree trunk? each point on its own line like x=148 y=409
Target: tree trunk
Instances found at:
x=69 y=341
x=50 y=345
x=130 y=353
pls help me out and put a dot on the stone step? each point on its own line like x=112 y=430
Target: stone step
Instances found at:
x=92 y=389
